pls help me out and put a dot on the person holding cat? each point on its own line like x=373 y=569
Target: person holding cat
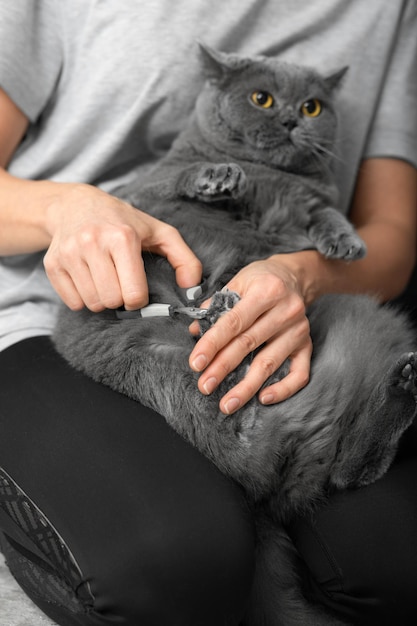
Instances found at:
x=149 y=530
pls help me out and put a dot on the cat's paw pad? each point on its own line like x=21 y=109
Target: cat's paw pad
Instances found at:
x=404 y=373
x=221 y=303
x=348 y=247
x=223 y=180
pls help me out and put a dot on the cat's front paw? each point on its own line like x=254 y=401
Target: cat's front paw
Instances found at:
x=221 y=303
x=346 y=246
x=221 y=181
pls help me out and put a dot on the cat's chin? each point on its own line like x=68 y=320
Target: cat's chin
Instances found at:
x=283 y=156
x=280 y=151
x=265 y=139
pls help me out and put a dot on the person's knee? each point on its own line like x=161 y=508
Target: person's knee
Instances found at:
x=195 y=571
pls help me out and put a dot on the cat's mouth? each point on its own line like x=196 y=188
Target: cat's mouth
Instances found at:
x=265 y=140
x=279 y=149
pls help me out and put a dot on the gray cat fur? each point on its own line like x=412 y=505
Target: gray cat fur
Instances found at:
x=242 y=183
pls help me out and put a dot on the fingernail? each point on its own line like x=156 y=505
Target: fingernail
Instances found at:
x=199 y=363
x=210 y=385
x=267 y=399
x=232 y=405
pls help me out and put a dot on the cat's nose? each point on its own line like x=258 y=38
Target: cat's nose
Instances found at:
x=289 y=123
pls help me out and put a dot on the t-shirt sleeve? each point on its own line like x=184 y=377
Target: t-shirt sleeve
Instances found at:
x=394 y=128
x=30 y=53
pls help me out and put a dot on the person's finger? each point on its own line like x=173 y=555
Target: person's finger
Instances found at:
x=170 y=244
x=296 y=379
x=126 y=256
x=63 y=284
x=258 y=297
x=247 y=326
x=84 y=284
x=67 y=273
x=297 y=343
x=230 y=325
x=229 y=357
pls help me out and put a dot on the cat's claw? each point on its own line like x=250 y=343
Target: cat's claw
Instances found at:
x=348 y=247
x=220 y=181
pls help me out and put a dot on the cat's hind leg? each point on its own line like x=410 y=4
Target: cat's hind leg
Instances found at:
x=389 y=412
x=404 y=374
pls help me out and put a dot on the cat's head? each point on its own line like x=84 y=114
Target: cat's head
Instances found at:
x=265 y=110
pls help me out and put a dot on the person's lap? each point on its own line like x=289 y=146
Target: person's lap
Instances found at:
x=139 y=509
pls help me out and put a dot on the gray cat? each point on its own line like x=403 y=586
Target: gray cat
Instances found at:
x=250 y=177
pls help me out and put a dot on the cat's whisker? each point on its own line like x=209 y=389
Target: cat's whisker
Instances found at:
x=320 y=150
x=318 y=153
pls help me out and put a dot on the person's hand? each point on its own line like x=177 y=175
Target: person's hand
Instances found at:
x=95 y=255
x=271 y=313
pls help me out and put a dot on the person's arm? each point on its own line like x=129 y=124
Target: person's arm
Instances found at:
x=275 y=291
x=93 y=240
x=384 y=212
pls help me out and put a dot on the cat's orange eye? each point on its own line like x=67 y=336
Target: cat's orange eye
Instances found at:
x=262 y=99
x=311 y=108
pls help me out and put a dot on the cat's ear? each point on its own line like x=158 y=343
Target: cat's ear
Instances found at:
x=334 y=81
x=217 y=64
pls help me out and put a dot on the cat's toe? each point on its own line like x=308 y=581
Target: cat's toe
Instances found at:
x=404 y=374
x=221 y=303
x=348 y=247
x=222 y=180
x=355 y=252
x=231 y=180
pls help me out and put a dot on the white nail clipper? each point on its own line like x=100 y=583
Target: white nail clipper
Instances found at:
x=158 y=309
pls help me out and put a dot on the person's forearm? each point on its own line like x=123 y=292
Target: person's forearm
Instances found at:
x=23 y=203
x=384 y=272
x=23 y=214
x=384 y=211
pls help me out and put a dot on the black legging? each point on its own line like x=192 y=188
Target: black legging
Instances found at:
x=161 y=536
x=360 y=549
x=137 y=528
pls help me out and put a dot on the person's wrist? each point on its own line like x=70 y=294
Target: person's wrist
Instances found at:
x=309 y=270
x=57 y=197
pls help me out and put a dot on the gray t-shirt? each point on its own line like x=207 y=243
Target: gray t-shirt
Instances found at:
x=108 y=85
